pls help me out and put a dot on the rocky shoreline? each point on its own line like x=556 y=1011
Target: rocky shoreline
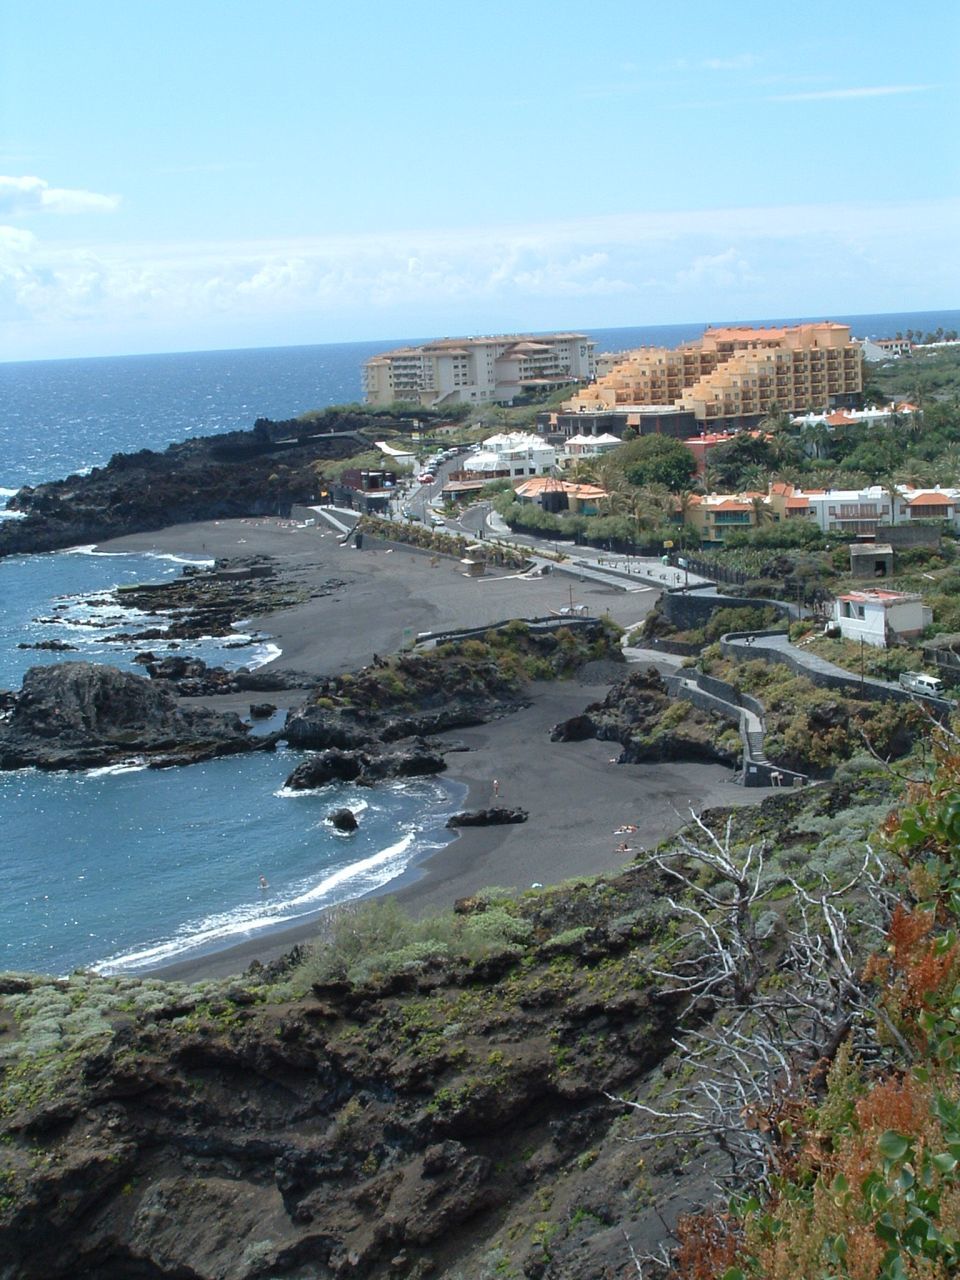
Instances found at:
x=261 y=472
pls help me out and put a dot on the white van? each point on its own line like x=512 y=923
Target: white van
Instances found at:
x=917 y=682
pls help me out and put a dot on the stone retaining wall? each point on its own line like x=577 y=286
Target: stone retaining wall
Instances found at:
x=850 y=685
x=686 y=609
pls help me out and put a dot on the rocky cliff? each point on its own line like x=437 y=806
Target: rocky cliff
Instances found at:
x=242 y=473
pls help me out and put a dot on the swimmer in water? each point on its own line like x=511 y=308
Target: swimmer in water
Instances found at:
x=264 y=883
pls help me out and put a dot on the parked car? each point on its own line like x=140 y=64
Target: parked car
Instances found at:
x=919 y=682
x=437 y=522
x=427 y=477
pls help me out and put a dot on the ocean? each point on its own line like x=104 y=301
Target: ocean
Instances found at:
x=124 y=869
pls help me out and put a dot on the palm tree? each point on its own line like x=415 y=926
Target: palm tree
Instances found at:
x=762 y=511
x=891 y=487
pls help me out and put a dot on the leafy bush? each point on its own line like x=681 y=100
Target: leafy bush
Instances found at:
x=375 y=939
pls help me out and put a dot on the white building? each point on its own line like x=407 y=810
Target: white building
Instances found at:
x=580 y=446
x=511 y=454
x=859 y=511
x=880 y=618
x=478 y=370
x=869 y=416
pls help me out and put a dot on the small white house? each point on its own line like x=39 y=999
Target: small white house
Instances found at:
x=589 y=446
x=881 y=618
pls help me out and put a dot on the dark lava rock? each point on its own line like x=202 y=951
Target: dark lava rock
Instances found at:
x=261 y=710
x=487 y=817
x=78 y=715
x=343 y=820
x=365 y=767
x=576 y=729
x=54 y=646
x=635 y=715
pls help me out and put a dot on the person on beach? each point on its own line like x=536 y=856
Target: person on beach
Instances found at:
x=496 y=786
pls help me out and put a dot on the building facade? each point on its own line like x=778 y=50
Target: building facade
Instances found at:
x=511 y=455
x=881 y=618
x=734 y=376
x=492 y=370
x=862 y=511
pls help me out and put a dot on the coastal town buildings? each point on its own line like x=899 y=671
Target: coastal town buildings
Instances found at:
x=860 y=512
x=488 y=370
x=715 y=515
x=731 y=377
x=871 y=415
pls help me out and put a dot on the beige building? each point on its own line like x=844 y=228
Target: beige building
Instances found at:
x=491 y=370
x=734 y=375
x=714 y=515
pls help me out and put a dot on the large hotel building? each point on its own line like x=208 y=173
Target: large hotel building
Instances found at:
x=731 y=377
x=478 y=370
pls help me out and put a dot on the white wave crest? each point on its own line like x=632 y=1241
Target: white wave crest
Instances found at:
x=254 y=918
x=90 y=549
x=267 y=652
x=134 y=765
x=203 y=562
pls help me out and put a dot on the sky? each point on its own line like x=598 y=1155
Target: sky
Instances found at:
x=208 y=174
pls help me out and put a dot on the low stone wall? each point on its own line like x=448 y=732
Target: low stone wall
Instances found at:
x=535 y=624
x=679 y=647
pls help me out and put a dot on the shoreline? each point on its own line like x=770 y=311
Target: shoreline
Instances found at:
x=576 y=798
x=575 y=795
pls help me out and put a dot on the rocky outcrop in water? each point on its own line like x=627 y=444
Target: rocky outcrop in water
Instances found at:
x=80 y=715
x=375 y=764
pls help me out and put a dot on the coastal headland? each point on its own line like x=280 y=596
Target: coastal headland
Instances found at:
x=575 y=793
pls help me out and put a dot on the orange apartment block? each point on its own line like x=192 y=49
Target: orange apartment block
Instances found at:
x=735 y=375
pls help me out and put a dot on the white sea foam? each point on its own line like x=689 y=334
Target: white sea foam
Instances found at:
x=203 y=563
x=268 y=652
x=134 y=765
x=253 y=918
x=90 y=549
x=7 y=493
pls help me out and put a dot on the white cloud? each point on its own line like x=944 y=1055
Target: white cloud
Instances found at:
x=620 y=269
x=27 y=195
x=877 y=91
x=725 y=270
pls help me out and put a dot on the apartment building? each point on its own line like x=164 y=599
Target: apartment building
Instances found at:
x=492 y=370
x=733 y=376
x=861 y=511
x=714 y=515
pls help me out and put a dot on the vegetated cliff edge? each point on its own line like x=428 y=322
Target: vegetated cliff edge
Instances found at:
x=411 y=1100
x=242 y=473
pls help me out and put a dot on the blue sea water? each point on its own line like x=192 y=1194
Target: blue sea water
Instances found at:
x=127 y=868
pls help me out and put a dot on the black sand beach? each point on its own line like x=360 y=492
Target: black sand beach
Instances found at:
x=575 y=795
